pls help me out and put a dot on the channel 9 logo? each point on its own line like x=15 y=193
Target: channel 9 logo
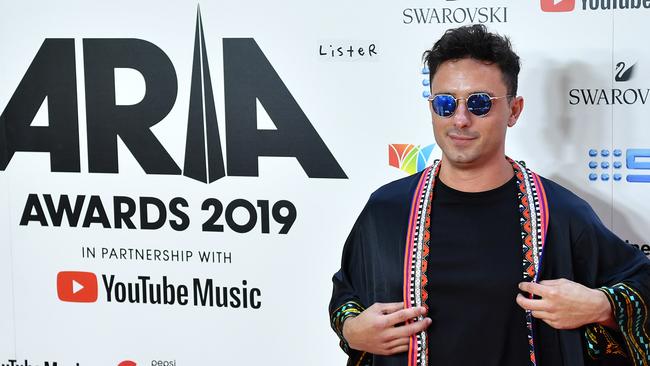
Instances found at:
x=604 y=165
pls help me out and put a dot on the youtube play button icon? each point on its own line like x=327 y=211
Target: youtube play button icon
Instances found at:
x=555 y=6
x=72 y=286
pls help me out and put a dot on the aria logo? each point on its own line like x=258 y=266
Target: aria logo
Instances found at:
x=602 y=164
x=568 y=5
x=248 y=78
x=613 y=96
x=408 y=157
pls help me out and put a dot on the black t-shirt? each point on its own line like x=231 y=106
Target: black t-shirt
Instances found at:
x=474 y=266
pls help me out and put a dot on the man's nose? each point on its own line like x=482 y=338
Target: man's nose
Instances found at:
x=462 y=117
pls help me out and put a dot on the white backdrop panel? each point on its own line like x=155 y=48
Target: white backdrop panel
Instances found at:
x=358 y=106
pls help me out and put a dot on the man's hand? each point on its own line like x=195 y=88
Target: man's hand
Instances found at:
x=566 y=304
x=378 y=329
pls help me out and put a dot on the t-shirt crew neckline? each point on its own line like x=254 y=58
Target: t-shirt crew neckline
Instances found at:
x=494 y=194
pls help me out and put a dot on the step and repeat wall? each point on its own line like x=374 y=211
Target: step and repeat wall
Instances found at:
x=177 y=179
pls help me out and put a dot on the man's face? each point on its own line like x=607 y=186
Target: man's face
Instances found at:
x=468 y=140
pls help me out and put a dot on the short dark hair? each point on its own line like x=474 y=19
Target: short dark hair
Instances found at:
x=474 y=41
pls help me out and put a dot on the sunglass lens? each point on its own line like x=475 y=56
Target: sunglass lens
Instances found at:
x=444 y=105
x=479 y=104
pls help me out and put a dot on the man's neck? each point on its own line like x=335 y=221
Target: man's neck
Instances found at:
x=478 y=178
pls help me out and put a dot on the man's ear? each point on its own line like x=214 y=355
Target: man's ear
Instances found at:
x=516 y=107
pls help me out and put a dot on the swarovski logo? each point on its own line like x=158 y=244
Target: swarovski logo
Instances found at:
x=612 y=96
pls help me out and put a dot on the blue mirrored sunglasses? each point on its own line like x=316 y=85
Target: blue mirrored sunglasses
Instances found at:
x=478 y=104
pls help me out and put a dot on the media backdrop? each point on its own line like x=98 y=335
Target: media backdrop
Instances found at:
x=177 y=179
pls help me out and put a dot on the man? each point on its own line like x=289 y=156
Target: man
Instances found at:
x=477 y=260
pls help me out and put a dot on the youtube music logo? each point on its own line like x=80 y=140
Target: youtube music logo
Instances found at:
x=72 y=286
x=555 y=6
x=83 y=287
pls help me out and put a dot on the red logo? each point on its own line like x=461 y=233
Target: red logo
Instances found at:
x=126 y=363
x=558 y=5
x=74 y=286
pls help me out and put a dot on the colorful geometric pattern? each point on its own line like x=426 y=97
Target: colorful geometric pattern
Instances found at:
x=533 y=209
x=600 y=342
x=631 y=314
x=350 y=308
x=415 y=259
x=408 y=157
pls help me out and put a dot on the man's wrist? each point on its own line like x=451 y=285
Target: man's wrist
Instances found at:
x=346 y=328
x=605 y=313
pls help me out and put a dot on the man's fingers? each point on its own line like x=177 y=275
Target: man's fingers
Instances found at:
x=543 y=315
x=398 y=349
x=405 y=314
x=390 y=307
x=531 y=304
x=397 y=342
x=537 y=308
x=534 y=288
x=408 y=330
x=555 y=282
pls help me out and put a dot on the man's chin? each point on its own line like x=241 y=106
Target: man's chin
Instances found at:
x=460 y=159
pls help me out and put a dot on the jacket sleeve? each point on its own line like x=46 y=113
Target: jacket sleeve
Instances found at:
x=623 y=273
x=349 y=288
